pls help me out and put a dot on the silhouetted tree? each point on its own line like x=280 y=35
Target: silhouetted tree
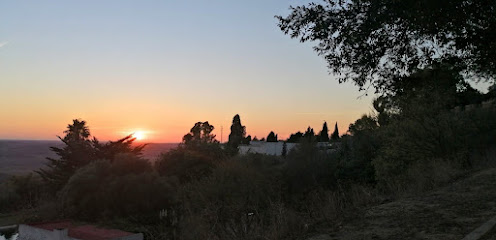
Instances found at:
x=262 y=139
x=194 y=158
x=324 y=134
x=365 y=123
x=110 y=149
x=76 y=153
x=79 y=151
x=255 y=138
x=357 y=37
x=247 y=140
x=272 y=137
x=200 y=133
x=237 y=135
x=427 y=92
x=295 y=137
x=309 y=134
x=335 y=134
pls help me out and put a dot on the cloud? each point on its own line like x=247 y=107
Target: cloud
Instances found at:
x=3 y=44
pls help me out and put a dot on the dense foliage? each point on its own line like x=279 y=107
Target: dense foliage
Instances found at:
x=79 y=151
x=237 y=135
x=370 y=42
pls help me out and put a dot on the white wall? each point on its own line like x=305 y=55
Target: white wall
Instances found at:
x=269 y=148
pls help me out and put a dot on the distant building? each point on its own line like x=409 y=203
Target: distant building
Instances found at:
x=66 y=230
x=269 y=148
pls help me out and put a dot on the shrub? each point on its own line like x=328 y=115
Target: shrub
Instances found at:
x=446 y=142
x=236 y=202
x=308 y=168
x=125 y=187
x=20 y=192
x=189 y=163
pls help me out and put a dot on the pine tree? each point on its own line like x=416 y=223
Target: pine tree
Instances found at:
x=79 y=150
x=324 y=134
x=76 y=153
x=335 y=134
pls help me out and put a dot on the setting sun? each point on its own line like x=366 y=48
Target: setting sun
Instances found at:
x=139 y=135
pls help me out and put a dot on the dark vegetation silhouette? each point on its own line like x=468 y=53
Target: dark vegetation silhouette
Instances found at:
x=237 y=135
x=428 y=128
x=324 y=134
x=295 y=137
x=335 y=134
x=272 y=137
x=370 y=42
x=79 y=151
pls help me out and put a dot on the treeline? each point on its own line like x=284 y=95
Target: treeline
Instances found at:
x=238 y=135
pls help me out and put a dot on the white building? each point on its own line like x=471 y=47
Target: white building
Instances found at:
x=269 y=148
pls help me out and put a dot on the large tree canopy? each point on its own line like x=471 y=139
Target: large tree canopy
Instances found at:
x=369 y=41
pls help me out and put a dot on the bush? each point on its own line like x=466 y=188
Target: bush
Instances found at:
x=446 y=141
x=20 y=192
x=189 y=163
x=309 y=168
x=237 y=201
x=125 y=187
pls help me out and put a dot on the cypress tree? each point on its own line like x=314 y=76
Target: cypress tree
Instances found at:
x=335 y=134
x=238 y=133
x=324 y=134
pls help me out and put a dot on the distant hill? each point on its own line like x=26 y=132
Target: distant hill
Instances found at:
x=23 y=156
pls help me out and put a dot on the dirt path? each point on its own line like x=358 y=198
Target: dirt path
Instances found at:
x=447 y=213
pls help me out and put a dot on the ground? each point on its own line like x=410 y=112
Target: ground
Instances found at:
x=450 y=212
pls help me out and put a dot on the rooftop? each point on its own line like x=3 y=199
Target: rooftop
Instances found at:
x=84 y=232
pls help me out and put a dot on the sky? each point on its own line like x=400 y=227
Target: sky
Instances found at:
x=160 y=66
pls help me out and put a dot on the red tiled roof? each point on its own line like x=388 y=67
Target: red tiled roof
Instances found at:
x=84 y=232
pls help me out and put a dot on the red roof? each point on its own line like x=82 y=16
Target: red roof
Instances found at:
x=84 y=232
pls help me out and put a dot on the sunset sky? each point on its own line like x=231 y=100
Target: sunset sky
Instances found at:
x=159 y=67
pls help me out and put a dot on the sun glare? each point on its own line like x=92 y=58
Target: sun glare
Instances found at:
x=139 y=135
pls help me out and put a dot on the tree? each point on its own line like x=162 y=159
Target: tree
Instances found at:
x=324 y=134
x=368 y=41
x=76 y=153
x=364 y=124
x=335 y=134
x=238 y=133
x=247 y=140
x=79 y=151
x=309 y=134
x=295 y=137
x=194 y=158
x=426 y=92
x=200 y=133
x=272 y=137
x=110 y=149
